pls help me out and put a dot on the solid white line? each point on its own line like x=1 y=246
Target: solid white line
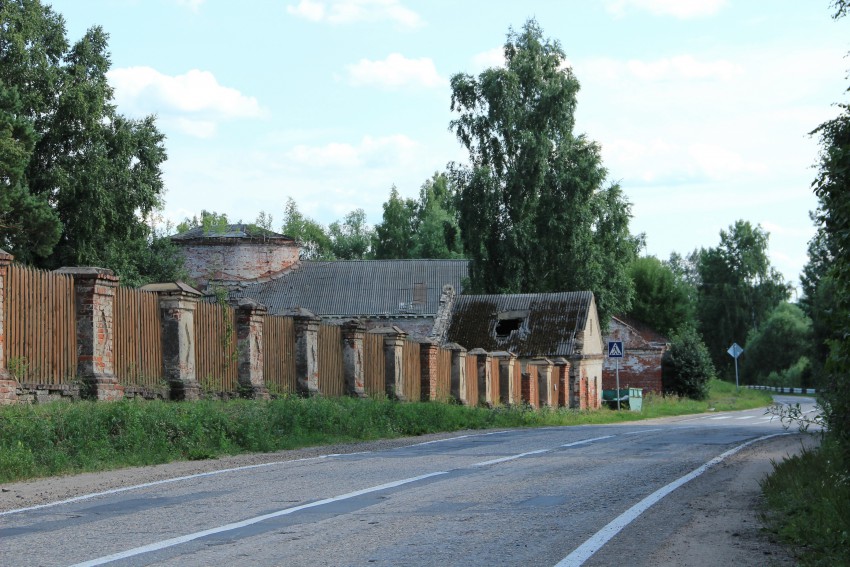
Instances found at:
x=244 y=523
x=583 y=552
x=643 y=431
x=746 y=417
x=721 y=417
x=216 y=472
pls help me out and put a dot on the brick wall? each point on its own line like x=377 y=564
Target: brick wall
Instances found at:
x=640 y=366
x=237 y=260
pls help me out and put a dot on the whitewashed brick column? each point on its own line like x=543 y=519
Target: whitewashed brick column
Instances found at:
x=249 y=342
x=507 y=377
x=353 y=335
x=306 y=350
x=394 y=361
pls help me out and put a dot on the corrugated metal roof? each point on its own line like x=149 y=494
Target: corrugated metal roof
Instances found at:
x=355 y=288
x=547 y=322
x=230 y=231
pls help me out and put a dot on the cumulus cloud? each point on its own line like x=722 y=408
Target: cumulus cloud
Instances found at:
x=193 y=101
x=682 y=9
x=370 y=151
x=491 y=58
x=395 y=71
x=680 y=67
x=353 y=11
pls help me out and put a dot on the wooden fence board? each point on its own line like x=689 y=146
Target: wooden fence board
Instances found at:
x=137 y=339
x=331 y=381
x=41 y=340
x=444 y=374
x=215 y=347
x=472 y=380
x=279 y=354
x=412 y=370
x=373 y=365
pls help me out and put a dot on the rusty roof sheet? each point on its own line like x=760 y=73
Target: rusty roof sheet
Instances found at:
x=361 y=288
x=241 y=231
x=549 y=323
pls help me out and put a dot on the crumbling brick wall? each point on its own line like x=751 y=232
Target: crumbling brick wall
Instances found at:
x=640 y=366
x=231 y=260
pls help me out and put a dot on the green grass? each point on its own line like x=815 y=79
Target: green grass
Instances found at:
x=62 y=438
x=808 y=500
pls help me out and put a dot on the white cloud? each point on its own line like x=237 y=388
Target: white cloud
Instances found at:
x=192 y=103
x=395 y=71
x=680 y=67
x=194 y=5
x=682 y=9
x=352 y=11
x=491 y=58
x=369 y=152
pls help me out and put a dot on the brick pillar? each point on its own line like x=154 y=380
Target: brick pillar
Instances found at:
x=457 y=388
x=306 y=351
x=486 y=388
x=582 y=388
x=565 y=390
x=530 y=392
x=352 y=357
x=506 y=377
x=177 y=304
x=547 y=382
x=249 y=348
x=8 y=384
x=394 y=362
x=94 y=295
x=428 y=367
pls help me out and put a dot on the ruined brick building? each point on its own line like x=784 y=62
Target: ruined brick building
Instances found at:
x=644 y=349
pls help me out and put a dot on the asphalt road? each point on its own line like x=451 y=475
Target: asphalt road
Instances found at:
x=550 y=496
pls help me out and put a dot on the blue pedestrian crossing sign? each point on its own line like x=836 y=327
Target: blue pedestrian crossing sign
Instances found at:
x=615 y=349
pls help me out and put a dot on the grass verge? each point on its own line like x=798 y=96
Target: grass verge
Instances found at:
x=808 y=501
x=62 y=438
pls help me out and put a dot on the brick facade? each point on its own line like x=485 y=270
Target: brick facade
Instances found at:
x=234 y=260
x=640 y=366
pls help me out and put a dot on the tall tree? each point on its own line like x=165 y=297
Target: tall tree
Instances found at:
x=395 y=234
x=314 y=240
x=91 y=168
x=738 y=288
x=352 y=238
x=534 y=213
x=663 y=300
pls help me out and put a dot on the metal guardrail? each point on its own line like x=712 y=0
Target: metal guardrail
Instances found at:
x=784 y=390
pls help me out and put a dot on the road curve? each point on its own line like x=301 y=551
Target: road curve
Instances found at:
x=550 y=496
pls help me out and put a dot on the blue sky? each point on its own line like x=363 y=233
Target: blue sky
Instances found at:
x=702 y=107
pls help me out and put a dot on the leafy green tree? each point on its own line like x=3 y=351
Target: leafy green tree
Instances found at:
x=314 y=240
x=738 y=289
x=395 y=234
x=780 y=343
x=88 y=167
x=686 y=367
x=437 y=232
x=663 y=300
x=352 y=238
x=534 y=213
x=832 y=186
x=211 y=221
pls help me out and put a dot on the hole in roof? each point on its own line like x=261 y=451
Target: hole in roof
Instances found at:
x=505 y=326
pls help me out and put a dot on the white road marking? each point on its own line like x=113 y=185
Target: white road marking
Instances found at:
x=539 y=451
x=746 y=417
x=213 y=473
x=721 y=417
x=583 y=552
x=249 y=522
x=643 y=431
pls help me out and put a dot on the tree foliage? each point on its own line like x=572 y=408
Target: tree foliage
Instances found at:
x=663 y=300
x=687 y=367
x=81 y=182
x=351 y=238
x=738 y=288
x=778 y=345
x=534 y=213
x=315 y=242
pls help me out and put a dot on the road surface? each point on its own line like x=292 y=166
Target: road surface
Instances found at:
x=639 y=494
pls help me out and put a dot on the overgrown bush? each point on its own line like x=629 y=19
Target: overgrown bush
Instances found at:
x=687 y=367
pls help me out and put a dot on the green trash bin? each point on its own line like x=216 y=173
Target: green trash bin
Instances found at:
x=635 y=399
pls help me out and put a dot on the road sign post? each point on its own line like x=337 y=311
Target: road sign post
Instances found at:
x=735 y=351
x=615 y=351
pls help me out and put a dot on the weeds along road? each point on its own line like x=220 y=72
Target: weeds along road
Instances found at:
x=595 y=495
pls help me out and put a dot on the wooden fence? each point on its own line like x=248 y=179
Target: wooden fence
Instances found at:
x=331 y=379
x=40 y=328
x=412 y=370
x=374 y=366
x=472 y=380
x=215 y=347
x=279 y=354
x=137 y=339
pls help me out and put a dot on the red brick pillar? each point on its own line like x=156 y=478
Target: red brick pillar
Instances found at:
x=353 y=335
x=458 y=388
x=547 y=382
x=428 y=366
x=177 y=303
x=8 y=384
x=486 y=389
x=507 y=377
x=249 y=342
x=394 y=362
x=94 y=295
x=306 y=350
x=530 y=393
x=565 y=390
